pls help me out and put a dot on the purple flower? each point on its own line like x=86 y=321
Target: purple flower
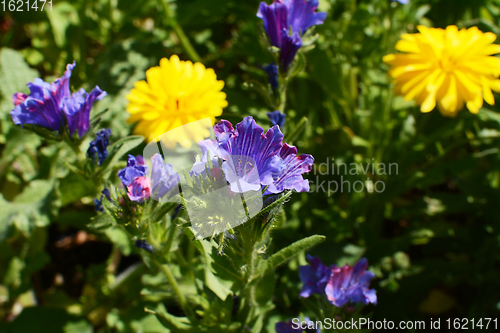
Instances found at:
x=140 y=189
x=277 y=118
x=98 y=205
x=339 y=284
x=315 y=277
x=404 y=2
x=163 y=177
x=77 y=109
x=140 y=186
x=98 y=147
x=252 y=158
x=285 y=21
x=351 y=284
x=289 y=47
x=290 y=176
x=272 y=73
x=52 y=106
x=302 y=14
x=43 y=105
x=275 y=20
x=135 y=168
x=143 y=244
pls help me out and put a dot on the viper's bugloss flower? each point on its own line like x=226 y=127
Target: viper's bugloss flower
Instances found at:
x=98 y=148
x=175 y=93
x=404 y=2
x=254 y=159
x=143 y=244
x=447 y=67
x=253 y=156
x=285 y=21
x=140 y=186
x=315 y=276
x=98 y=202
x=340 y=285
x=277 y=118
x=290 y=175
x=77 y=109
x=163 y=177
x=139 y=189
x=135 y=168
x=272 y=74
x=98 y=205
x=51 y=105
x=351 y=284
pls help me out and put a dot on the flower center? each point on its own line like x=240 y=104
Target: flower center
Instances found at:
x=447 y=63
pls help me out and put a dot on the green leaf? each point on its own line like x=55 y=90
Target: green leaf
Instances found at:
x=61 y=17
x=120 y=239
x=298 y=65
x=173 y=323
x=299 y=128
x=212 y=283
x=101 y=222
x=161 y=211
x=277 y=203
x=75 y=186
x=286 y=254
x=47 y=320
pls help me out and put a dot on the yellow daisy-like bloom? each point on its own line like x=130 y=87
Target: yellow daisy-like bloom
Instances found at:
x=176 y=93
x=448 y=67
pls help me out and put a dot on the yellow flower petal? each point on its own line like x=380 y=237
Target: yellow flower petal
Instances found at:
x=174 y=94
x=447 y=68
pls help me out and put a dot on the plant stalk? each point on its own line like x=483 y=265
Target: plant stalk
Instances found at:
x=184 y=40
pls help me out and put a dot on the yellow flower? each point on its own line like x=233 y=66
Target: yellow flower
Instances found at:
x=448 y=67
x=176 y=93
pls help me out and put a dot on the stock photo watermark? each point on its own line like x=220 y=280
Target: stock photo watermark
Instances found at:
x=345 y=172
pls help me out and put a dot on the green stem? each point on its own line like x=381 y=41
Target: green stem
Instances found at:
x=186 y=44
x=177 y=291
x=282 y=104
x=249 y=255
x=173 y=282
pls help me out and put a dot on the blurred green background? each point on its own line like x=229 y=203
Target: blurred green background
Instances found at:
x=432 y=236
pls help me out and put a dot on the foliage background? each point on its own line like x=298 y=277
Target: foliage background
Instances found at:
x=432 y=237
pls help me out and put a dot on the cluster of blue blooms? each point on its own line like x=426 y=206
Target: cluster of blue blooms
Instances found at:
x=339 y=285
x=286 y=21
x=51 y=105
x=140 y=187
x=256 y=160
x=98 y=148
x=251 y=160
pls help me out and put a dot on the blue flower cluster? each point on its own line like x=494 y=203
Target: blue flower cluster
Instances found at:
x=51 y=105
x=340 y=285
x=98 y=148
x=140 y=187
x=285 y=21
x=253 y=159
